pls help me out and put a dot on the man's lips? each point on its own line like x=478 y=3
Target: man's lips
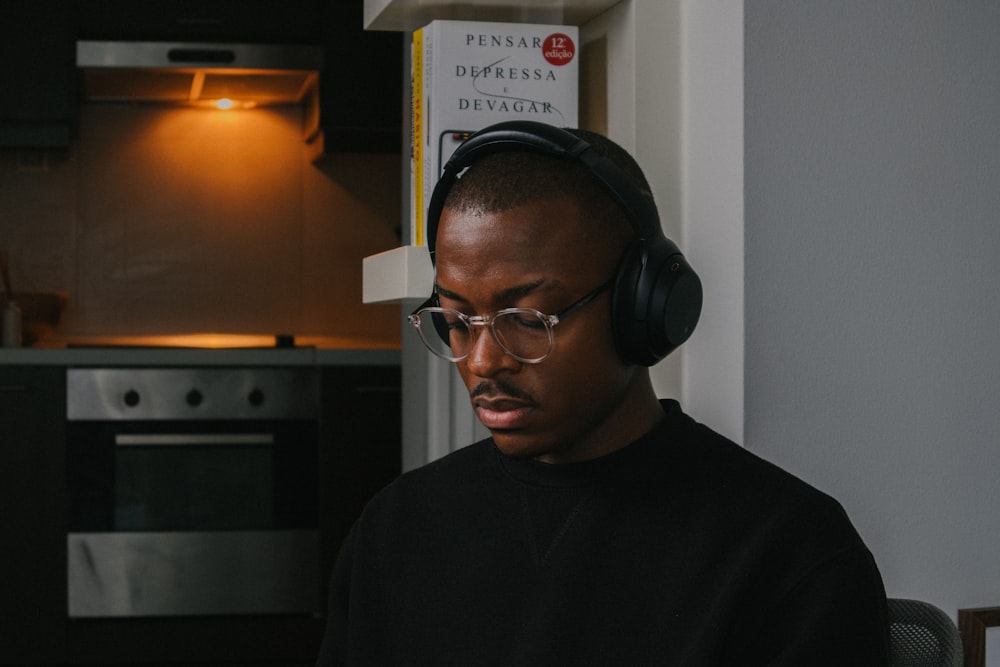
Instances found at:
x=501 y=413
x=500 y=406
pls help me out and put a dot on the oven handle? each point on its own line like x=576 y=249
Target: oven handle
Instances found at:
x=150 y=439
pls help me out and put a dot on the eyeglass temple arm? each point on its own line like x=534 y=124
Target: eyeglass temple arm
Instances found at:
x=587 y=298
x=432 y=302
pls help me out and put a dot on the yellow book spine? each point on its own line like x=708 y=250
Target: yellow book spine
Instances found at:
x=417 y=116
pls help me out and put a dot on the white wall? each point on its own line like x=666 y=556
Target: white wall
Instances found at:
x=872 y=310
x=711 y=197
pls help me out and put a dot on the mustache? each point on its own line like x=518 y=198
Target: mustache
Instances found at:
x=499 y=387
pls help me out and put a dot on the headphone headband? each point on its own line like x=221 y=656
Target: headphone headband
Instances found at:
x=531 y=136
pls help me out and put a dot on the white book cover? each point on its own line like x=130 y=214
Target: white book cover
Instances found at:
x=470 y=74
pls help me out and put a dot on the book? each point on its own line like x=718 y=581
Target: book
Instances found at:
x=470 y=74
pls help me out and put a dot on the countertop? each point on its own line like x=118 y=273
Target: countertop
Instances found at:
x=202 y=350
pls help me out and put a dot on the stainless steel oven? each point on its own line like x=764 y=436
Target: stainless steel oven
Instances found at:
x=193 y=491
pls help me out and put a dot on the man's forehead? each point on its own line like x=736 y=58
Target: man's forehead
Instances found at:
x=498 y=292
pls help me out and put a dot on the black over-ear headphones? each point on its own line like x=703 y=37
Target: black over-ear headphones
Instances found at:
x=656 y=299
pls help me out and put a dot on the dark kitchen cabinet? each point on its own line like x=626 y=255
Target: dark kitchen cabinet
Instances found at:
x=33 y=518
x=262 y=21
x=38 y=105
x=361 y=94
x=361 y=444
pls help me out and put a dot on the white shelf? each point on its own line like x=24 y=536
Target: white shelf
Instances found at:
x=404 y=15
x=401 y=273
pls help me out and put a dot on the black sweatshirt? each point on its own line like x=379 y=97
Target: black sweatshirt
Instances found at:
x=680 y=549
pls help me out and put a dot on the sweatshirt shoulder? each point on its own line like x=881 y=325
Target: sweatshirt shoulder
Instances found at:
x=456 y=473
x=738 y=476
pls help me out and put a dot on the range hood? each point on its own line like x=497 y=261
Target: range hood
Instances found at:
x=199 y=74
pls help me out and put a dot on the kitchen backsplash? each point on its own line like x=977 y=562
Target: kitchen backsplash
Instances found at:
x=167 y=221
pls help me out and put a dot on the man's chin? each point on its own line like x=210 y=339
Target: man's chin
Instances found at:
x=516 y=446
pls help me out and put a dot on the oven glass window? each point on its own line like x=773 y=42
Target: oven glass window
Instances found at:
x=161 y=477
x=210 y=487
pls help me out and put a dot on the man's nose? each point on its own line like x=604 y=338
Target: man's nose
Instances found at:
x=486 y=356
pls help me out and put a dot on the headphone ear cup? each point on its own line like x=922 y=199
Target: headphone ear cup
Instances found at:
x=677 y=301
x=627 y=331
x=656 y=302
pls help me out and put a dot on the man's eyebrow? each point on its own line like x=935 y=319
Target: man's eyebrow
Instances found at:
x=509 y=294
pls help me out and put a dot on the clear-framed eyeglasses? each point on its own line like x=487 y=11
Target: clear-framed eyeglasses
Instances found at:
x=523 y=333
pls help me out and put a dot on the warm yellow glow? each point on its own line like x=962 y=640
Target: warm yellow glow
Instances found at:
x=218 y=341
x=226 y=103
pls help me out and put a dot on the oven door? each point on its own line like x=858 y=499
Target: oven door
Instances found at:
x=192 y=518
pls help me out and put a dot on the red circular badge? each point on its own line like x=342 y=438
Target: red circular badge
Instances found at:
x=558 y=48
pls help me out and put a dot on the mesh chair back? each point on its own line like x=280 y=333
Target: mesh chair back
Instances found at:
x=921 y=635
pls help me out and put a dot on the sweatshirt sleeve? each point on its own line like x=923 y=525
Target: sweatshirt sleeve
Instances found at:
x=835 y=615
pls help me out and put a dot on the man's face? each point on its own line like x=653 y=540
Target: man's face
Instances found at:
x=574 y=405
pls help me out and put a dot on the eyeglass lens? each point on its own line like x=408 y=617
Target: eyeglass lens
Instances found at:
x=522 y=333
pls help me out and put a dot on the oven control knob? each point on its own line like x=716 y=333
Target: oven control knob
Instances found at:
x=194 y=398
x=256 y=398
x=131 y=398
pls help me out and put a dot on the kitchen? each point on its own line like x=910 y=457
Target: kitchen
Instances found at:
x=175 y=239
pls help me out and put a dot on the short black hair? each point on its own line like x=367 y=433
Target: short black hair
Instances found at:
x=507 y=179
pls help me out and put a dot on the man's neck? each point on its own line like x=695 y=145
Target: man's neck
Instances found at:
x=635 y=416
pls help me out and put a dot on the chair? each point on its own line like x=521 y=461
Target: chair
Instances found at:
x=921 y=635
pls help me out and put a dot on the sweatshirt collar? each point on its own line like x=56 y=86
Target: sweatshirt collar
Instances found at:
x=585 y=473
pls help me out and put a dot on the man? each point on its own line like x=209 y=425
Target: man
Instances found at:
x=598 y=525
